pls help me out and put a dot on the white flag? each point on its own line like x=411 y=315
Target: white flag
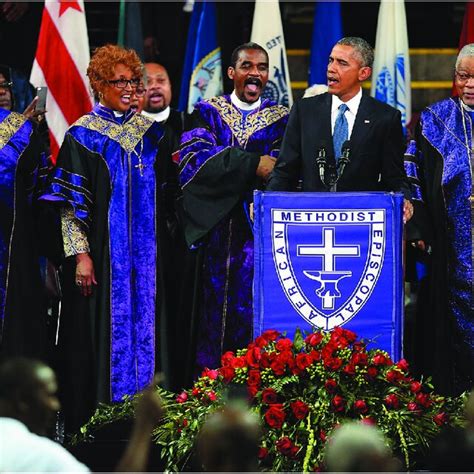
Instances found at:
x=61 y=60
x=267 y=31
x=391 y=73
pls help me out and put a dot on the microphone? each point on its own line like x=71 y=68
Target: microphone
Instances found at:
x=321 y=160
x=344 y=159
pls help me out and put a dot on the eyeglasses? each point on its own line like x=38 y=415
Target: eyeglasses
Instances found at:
x=463 y=76
x=139 y=92
x=5 y=85
x=123 y=83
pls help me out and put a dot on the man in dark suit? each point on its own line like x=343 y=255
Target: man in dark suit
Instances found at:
x=326 y=121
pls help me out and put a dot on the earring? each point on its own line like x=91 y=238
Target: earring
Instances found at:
x=101 y=95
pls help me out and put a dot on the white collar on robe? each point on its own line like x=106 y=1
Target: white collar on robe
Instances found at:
x=158 y=116
x=244 y=105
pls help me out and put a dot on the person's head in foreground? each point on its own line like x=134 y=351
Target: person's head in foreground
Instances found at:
x=28 y=393
x=357 y=447
x=229 y=441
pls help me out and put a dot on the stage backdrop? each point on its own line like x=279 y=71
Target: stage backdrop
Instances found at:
x=330 y=259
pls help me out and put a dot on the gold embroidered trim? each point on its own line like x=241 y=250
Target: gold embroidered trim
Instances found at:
x=255 y=121
x=74 y=237
x=10 y=125
x=127 y=135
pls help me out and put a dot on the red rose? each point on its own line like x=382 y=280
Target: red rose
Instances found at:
x=314 y=339
x=261 y=341
x=441 y=418
x=360 y=406
x=360 y=358
x=423 y=399
x=262 y=452
x=227 y=358
x=303 y=361
x=393 y=376
x=300 y=409
x=315 y=355
x=275 y=416
x=330 y=385
x=271 y=334
x=212 y=396
x=381 y=359
x=185 y=423
x=284 y=344
x=212 y=374
x=182 y=397
x=415 y=387
x=391 y=401
x=227 y=373
x=195 y=392
x=334 y=363
x=238 y=362
x=372 y=372
x=286 y=357
x=338 y=403
x=402 y=364
x=349 y=369
x=286 y=447
x=254 y=377
x=278 y=367
x=269 y=396
x=253 y=356
x=322 y=436
x=412 y=406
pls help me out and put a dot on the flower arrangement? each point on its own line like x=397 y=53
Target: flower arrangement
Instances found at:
x=302 y=390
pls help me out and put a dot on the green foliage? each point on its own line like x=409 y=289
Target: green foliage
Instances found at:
x=302 y=390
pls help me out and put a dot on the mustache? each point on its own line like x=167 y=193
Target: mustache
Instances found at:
x=254 y=80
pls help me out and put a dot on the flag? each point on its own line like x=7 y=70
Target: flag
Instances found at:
x=467 y=32
x=327 y=31
x=60 y=64
x=130 y=32
x=391 y=72
x=267 y=31
x=202 y=71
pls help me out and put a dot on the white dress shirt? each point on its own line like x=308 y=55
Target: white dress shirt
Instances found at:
x=23 y=451
x=350 y=114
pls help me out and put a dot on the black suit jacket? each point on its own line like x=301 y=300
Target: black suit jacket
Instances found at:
x=377 y=148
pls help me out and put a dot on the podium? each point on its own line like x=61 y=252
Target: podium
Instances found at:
x=330 y=259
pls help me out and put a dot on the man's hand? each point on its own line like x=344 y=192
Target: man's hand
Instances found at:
x=85 y=275
x=407 y=210
x=265 y=166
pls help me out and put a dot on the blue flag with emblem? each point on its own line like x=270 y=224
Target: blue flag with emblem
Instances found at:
x=327 y=31
x=202 y=72
x=330 y=259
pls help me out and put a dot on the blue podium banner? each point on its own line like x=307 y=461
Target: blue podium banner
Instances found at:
x=330 y=259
